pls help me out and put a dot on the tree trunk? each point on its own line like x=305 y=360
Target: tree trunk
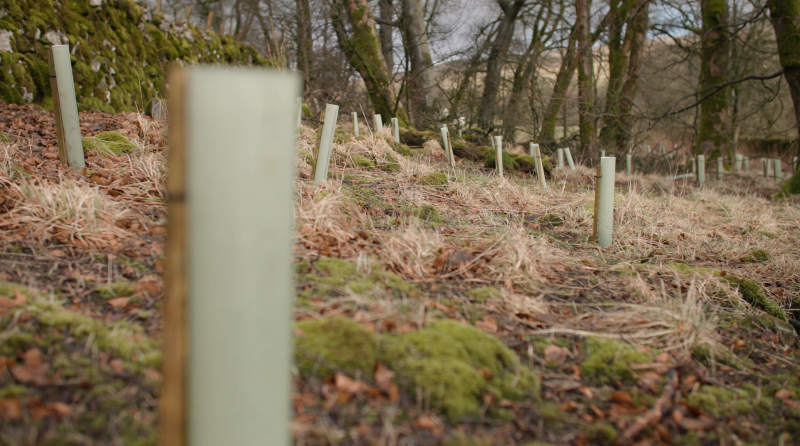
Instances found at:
x=585 y=76
x=386 y=10
x=618 y=54
x=563 y=79
x=496 y=60
x=785 y=17
x=305 y=42
x=421 y=82
x=363 y=51
x=638 y=27
x=714 y=129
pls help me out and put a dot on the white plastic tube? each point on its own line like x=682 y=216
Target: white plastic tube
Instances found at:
x=604 y=201
x=569 y=159
x=498 y=147
x=67 y=107
x=326 y=143
x=560 y=155
x=629 y=164
x=378 y=123
x=719 y=168
x=777 y=169
x=396 y=130
x=737 y=163
x=446 y=145
x=355 y=124
x=539 y=166
x=701 y=170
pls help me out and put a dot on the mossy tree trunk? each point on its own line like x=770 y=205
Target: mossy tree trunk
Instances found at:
x=305 y=43
x=358 y=39
x=564 y=77
x=386 y=11
x=421 y=82
x=586 y=104
x=496 y=60
x=785 y=17
x=638 y=29
x=713 y=137
x=618 y=53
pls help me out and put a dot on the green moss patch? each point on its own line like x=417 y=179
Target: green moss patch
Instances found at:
x=454 y=364
x=434 y=179
x=115 y=289
x=552 y=220
x=329 y=274
x=108 y=143
x=757 y=256
x=4 y=137
x=482 y=294
x=601 y=434
x=791 y=187
x=428 y=213
x=607 y=359
x=509 y=163
x=326 y=346
x=363 y=161
x=753 y=294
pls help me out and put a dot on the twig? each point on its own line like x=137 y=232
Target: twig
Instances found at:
x=663 y=406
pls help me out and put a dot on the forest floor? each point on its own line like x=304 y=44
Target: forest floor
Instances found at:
x=433 y=307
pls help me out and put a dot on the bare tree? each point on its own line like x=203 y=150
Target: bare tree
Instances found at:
x=585 y=76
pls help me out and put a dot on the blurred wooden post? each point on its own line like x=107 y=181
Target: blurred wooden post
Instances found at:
x=188 y=13
x=210 y=20
x=719 y=168
x=68 y=127
x=777 y=169
x=737 y=163
x=629 y=164
x=701 y=170
x=765 y=167
x=322 y=158
x=694 y=166
x=450 y=150
x=158 y=6
x=498 y=147
x=378 y=122
x=604 y=201
x=396 y=130
x=229 y=258
x=539 y=166
x=355 y=123
x=569 y=159
x=560 y=157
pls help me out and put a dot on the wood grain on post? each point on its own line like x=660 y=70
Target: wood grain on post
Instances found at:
x=299 y=112
x=451 y=154
x=68 y=106
x=210 y=20
x=323 y=156
x=172 y=428
x=229 y=258
x=62 y=145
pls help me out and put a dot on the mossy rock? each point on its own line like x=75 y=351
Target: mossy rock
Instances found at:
x=552 y=220
x=415 y=138
x=399 y=148
x=4 y=137
x=428 y=213
x=363 y=161
x=607 y=359
x=482 y=294
x=108 y=143
x=330 y=273
x=444 y=362
x=526 y=162
x=116 y=289
x=434 y=179
x=753 y=294
x=390 y=164
x=326 y=346
x=509 y=163
x=757 y=256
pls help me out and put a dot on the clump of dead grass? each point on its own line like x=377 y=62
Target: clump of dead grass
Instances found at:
x=411 y=250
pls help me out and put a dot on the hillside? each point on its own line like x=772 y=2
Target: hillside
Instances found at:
x=431 y=309
x=121 y=51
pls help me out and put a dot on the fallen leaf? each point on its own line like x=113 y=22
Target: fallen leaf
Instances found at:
x=784 y=394
x=119 y=302
x=383 y=378
x=586 y=391
x=33 y=370
x=10 y=408
x=485 y=373
x=59 y=410
x=153 y=375
x=487 y=324
x=649 y=381
x=555 y=355
x=117 y=366
x=599 y=413
x=697 y=424
x=347 y=385
x=791 y=403
x=569 y=406
x=663 y=358
x=621 y=397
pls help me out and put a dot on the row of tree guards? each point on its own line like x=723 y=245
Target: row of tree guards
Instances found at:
x=229 y=254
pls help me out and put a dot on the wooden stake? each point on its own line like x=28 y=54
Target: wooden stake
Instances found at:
x=188 y=13
x=396 y=130
x=450 y=150
x=299 y=111
x=604 y=201
x=765 y=166
x=378 y=123
x=210 y=20
x=570 y=162
x=229 y=258
x=68 y=127
x=498 y=144
x=355 y=124
x=539 y=166
x=701 y=170
x=158 y=6
x=323 y=158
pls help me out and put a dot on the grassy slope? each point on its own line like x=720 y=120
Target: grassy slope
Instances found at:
x=493 y=318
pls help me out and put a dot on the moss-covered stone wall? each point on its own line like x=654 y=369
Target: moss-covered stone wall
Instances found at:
x=120 y=51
